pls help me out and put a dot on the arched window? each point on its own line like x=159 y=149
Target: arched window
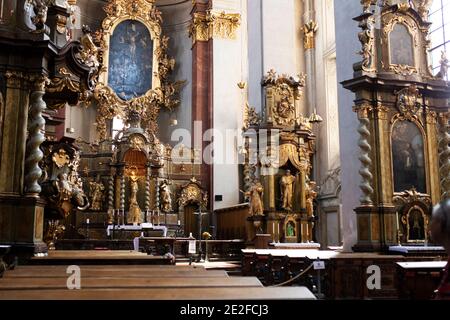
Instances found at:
x=117 y=126
x=408 y=157
x=401 y=46
x=439 y=32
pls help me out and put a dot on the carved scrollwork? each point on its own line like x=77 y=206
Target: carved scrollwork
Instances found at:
x=367 y=39
x=212 y=24
x=193 y=193
x=282 y=92
x=409 y=103
x=163 y=94
x=410 y=196
x=251 y=117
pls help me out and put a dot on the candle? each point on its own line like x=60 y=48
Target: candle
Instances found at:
x=396 y=220
x=87 y=220
x=179 y=222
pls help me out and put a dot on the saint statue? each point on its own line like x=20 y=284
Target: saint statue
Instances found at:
x=97 y=189
x=287 y=190
x=64 y=188
x=255 y=195
x=166 y=197
x=311 y=194
x=290 y=229
x=134 y=213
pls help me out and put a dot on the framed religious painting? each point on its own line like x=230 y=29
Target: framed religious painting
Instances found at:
x=401 y=47
x=133 y=53
x=408 y=159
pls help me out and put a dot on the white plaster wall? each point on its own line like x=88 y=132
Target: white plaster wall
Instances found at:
x=346 y=47
x=279 y=34
x=229 y=65
x=175 y=25
x=255 y=54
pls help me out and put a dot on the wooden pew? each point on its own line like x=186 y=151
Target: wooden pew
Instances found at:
x=100 y=257
x=126 y=282
x=252 y=293
x=87 y=273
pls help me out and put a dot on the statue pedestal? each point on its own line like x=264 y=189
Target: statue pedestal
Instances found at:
x=22 y=224
x=254 y=226
x=262 y=241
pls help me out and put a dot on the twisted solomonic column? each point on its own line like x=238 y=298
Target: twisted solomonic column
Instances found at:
x=444 y=157
x=364 y=158
x=111 y=192
x=122 y=192
x=147 y=190
x=36 y=129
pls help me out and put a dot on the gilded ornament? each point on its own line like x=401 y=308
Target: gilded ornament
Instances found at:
x=309 y=31
x=60 y=158
x=409 y=102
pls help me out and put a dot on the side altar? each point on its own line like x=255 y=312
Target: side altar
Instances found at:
x=278 y=181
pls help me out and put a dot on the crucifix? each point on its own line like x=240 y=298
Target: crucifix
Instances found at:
x=200 y=215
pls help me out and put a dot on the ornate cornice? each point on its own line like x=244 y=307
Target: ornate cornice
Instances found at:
x=214 y=25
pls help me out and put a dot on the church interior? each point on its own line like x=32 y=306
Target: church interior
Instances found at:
x=223 y=149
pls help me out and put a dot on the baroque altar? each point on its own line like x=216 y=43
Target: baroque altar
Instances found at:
x=278 y=160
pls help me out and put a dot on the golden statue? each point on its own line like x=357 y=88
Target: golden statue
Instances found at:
x=255 y=194
x=311 y=194
x=287 y=190
x=134 y=213
x=97 y=189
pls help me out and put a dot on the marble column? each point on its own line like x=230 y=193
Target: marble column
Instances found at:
x=202 y=86
x=36 y=129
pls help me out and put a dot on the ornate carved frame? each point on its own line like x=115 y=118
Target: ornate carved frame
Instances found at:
x=161 y=93
x=417 y=28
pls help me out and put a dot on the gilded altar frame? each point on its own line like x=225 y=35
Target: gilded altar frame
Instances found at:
x=119 y=11
x=385 y=95
x=162 y=92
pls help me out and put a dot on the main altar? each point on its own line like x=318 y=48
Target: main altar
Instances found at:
x=125 y=179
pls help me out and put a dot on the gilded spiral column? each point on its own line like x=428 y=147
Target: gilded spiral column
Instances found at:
x=364 y=158
x=147 y=190
x=36 y=129
x=157 y=194
x=444 y=157
x=111 y=192
x=122 y=192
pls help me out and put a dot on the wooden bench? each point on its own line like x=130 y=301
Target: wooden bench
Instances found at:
x=252 y=293
x=93 y=273
x=100 y=257
x=126 y=282
x=418 y=280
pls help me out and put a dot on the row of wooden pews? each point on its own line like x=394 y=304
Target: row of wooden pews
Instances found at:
x=142 y=282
